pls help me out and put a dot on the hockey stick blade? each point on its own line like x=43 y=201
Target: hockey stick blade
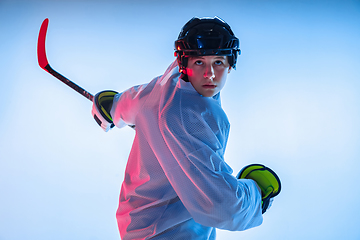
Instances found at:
x=44 y=64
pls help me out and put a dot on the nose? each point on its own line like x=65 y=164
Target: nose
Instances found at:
x=209 y=72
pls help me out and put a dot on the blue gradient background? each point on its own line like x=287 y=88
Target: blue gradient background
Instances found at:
x=293 y=103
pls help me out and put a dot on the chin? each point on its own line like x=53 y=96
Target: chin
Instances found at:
x=209 y=94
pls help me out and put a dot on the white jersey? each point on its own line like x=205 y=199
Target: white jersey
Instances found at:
x=177 y=184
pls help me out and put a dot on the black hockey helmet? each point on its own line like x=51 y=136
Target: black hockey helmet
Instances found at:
x=204 y=37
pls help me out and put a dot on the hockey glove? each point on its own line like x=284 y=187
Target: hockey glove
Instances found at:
x=266 y=179
x=102 y=104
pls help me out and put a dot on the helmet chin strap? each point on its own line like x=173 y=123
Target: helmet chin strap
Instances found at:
x=184 y=76
x=182 y=70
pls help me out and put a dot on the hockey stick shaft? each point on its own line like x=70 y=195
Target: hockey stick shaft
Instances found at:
x=44 y=64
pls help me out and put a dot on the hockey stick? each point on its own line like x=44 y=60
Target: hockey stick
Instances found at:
x=44 y=64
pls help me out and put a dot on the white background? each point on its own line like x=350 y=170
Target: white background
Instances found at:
x=293 y=103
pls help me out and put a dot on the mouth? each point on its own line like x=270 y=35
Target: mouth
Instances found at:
x=210 y=86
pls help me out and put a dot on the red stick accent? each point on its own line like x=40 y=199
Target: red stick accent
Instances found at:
x=43 y=62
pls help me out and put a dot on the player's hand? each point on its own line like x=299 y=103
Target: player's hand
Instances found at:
x=102 y=104
x=266 y=179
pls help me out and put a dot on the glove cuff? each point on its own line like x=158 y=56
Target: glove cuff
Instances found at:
x=102 y=104
x=103 y=101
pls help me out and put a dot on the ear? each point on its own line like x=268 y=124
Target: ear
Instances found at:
x=229 y=69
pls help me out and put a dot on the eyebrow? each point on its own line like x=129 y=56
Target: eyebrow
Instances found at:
x=221 y=57
x=196 y=57
x=203 y=57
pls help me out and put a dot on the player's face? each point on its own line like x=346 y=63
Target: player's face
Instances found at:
x=207 y=74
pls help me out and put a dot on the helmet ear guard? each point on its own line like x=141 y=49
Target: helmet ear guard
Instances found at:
x=205 y=37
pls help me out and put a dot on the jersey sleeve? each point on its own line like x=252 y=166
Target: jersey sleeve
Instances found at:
x=195 y=132
x=127 y=104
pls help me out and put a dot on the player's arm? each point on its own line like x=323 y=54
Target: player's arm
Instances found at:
x=120 y=109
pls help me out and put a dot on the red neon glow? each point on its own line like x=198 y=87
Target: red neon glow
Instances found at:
x=189 y=72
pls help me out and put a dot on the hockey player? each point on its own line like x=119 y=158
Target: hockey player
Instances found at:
x=177 y=184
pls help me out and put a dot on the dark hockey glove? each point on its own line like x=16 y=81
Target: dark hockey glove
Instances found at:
x=102 y=104
x=266 y=179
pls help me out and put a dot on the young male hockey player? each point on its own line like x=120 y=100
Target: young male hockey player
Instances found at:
x=177 y=184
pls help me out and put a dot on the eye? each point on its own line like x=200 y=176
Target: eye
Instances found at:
x=218 y=62
x=198 y=62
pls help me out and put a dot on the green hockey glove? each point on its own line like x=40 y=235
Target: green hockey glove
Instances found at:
x=102 y=104
x=266 y=179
